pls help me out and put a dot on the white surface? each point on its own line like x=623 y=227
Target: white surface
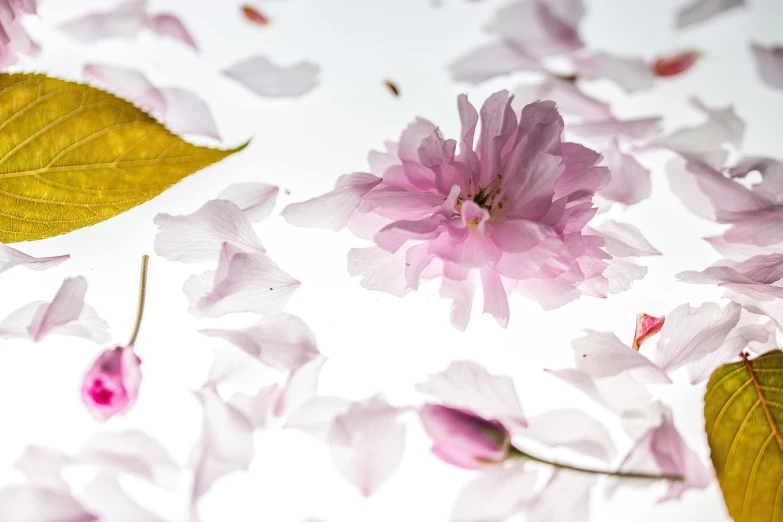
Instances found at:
x=377 y=343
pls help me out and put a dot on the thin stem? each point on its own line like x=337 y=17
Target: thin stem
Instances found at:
x=516 y=453
x=142 y=297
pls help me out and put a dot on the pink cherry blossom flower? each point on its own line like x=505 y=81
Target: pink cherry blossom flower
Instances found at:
x=675 y=64
x=646 y=326
x=508 y=213
x=111 y=385
x=464 y=439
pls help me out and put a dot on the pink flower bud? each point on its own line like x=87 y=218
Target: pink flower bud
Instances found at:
x=112 y=383
x=464 y=439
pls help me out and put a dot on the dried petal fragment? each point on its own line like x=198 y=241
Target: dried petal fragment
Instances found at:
x=253 y=15
x=675 y=64
x=646 y=326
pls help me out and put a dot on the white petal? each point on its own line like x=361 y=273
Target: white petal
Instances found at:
x=257 y=200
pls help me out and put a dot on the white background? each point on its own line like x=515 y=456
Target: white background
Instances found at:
x=376 y=343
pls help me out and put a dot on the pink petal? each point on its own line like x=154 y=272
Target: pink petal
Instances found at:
x=539 y=27
x=632 y=74
x=753 y=277
x=675 y=64
x=316 y=416
x=646 y=327
x=396 y=234
x=226 y=444
x=10 y=257
x=123 y=21
x=496 y=494
x=495 y=296
x=379 y=269
x=367 y=444
x=105 y=497
x=691 y=333
x=619 y=393
x=466 y=385
x=254 y=15
x=634 y=130
x=702 y=10
x=257 y=200
x=265 y=78
x=771 y=170
x=493 y=60
x=518 y=235
x=663 y=450
x=566 y=496
x=188 y=114
x=300 y=387
x=200 y=236
x=131 y=452
x=602 y=354
x=43 y=467
x=555 y=429
x=244 y=282
x=283 y=341
x=66 y=307
x=740 y=338
x=170 y=25
x=258 y=407
x=769 y=64
x=27 y=504
x=333 y=209
x=624 y=240
x=461 y=295
x=567 y=95
x=630 y=181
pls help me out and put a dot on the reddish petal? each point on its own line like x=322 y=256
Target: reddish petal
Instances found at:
x=255 y=16
x=675 y=64
x=646 y=326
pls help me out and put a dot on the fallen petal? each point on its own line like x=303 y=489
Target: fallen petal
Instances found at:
x=675 y=64
x=256 y=200
x=769 y=64
x=170 y=25
x=702 y=10
x=646 y=326
x=10 y=257
x=264 y=78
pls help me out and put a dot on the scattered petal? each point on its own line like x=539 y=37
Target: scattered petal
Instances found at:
x=754 y=277
x=123 y=21
x=466 y=385
x=283 y=341
x=630 y=181
x=200 y=236
x=496 y=494
x=540 y=27
x=253 y=15
x=10 y=257
x=702 y=10
x=333 y=209
x=170 y=25
x=243 y=282
x=264 y=78
x=602 y=354
x=493 y=60
x=367 y=443
x=769 y=64
x=632 y=74
x=256 y=200
x=675 y=64
x=555 y=429
x=646 y=326
x=106 y=498
x=28 y=504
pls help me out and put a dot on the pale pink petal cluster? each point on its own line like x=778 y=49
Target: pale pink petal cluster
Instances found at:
x=126 y=20
x=181 y=110
x=507 y=213
x=66 y=314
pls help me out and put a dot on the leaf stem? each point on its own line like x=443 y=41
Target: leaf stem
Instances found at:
x=142 y=297
x=517 y=453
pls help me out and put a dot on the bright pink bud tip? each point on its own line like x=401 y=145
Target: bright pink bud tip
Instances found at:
x=112 y=383
x=675 y=64
x=646 y=326
x=464 y=439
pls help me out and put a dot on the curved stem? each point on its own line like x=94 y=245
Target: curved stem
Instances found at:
x=142 y=297
x=517 y=453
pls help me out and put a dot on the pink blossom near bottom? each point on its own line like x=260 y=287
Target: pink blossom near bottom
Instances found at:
x=111 y=385
x=506 y=212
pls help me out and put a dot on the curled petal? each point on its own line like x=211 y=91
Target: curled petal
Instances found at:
x=243 y=283
x=267 y=79
x=170 y=25
x=646 y=326
x=632 y=74
x=630 y=180
x=256 y=200
x=283 y=341
x=675 y=64
x=200 y=236
x=10 y=257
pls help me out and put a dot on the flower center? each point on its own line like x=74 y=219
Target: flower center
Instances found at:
x=100 y=394
x=484 y=197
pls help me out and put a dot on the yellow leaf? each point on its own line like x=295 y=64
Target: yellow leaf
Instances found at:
x=72 y=156
x=743 y=409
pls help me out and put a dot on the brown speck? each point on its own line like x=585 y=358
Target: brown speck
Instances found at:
x=584 y=355
x=286 y=192
x=270 y=288
x=392 y=87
